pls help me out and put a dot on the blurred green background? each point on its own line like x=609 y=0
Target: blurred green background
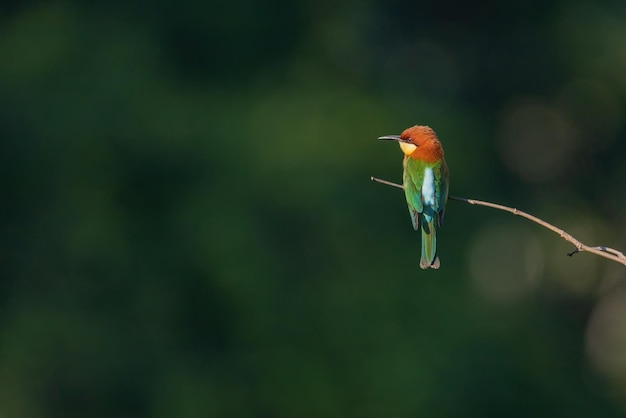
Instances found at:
x=189 y=229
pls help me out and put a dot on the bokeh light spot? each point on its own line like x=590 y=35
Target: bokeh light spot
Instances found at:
x=606 y=334
x=537 y=142
x=505 y=262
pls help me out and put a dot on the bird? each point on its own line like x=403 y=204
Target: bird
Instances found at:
x=425 y=180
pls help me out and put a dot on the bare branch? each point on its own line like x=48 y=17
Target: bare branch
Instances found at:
x=388 y=183
x=602 y=251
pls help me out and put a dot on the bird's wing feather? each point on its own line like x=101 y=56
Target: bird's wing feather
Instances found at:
x=441 y=189
x=413 y=178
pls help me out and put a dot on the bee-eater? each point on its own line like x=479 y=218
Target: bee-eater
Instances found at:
x=425 y=180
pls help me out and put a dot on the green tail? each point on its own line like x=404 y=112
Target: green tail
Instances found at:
x=429 y=242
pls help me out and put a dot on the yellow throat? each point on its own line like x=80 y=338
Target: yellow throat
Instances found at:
x=407 y=148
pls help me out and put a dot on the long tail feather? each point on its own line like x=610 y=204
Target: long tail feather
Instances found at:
x=429 y=243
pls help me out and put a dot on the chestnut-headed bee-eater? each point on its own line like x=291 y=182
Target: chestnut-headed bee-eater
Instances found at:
x=425 y=180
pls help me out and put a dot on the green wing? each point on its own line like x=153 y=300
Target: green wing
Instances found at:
x=441 y=189
x=413 y=178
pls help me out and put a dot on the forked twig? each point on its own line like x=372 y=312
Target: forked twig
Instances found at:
x=602 y=251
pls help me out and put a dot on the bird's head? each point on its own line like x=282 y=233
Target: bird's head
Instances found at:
x=417 y=140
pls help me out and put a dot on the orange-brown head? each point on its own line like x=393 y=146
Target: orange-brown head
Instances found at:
x=419 y=143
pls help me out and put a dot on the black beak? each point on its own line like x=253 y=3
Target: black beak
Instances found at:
x=393 y=138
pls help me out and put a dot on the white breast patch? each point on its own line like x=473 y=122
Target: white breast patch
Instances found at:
x=428 y=187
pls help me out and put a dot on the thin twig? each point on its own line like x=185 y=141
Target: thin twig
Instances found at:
x=602 y=251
